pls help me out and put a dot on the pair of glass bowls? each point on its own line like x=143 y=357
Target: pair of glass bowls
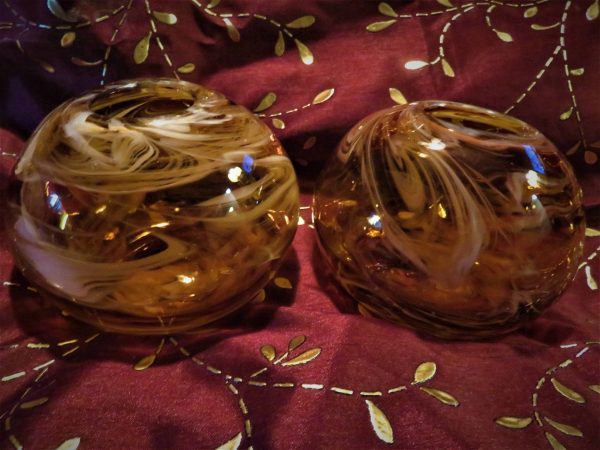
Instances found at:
x=157 y=206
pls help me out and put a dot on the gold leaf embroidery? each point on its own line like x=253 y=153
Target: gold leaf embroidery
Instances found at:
x=566 y=114
x=425 y=372
x=232 y=31
x=280 y=44
x=309 y=143
x=305 y=53
x=213 y=3
x=567 y=392
x=67 y=39
x=33 y=403
x=282 y=282
x=590 y=157
x=266 y=102
x=278 y=123
x=504 y=36
x=564 y=428
x=140 y=54
x=448 y=71
x=592 y=12
x=415 y=64
x=554 y=442
x=514 y=422
x=574 y=148
x=301 y=22
x=577 y=72
x=296 y=342
x=70 y=444
x=591 y=282
x=233 y=443
x=530 y=12
x=47 y=66
x=397 y=96
x=260 y=297
x=323 y=96
x=165 y=17
x=590 y=232
x=303 y=358
x=539 y=27
x=442 y=396
x=595 y=387
x=378 y=26
x=268 y=351
x=84 y=63
x=59 y=12
x=385 y=9
x=145 y=362
x=187 y=68
x=380 y=423
x=446 y=3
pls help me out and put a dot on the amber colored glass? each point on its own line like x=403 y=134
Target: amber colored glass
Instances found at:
x=151 y=206
x=450 y=219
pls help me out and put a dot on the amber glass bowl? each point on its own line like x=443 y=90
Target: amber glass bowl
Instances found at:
x=151 y=206
x=451 y=219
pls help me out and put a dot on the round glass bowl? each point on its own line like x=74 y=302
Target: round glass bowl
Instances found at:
x=151 y=206
x=452 y=219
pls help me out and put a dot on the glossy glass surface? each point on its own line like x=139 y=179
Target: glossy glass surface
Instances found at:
x=152 y=206
x=451 y=219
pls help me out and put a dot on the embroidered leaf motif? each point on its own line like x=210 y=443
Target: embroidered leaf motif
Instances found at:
x=595 y=387
x=282 y=282
x=260 y=297
x=577 y=72
x=232 y=444
x=574 y=148
x=164 y=17
x=538 y=27
x=442 y=396
x=504 y=36
x=415 y=64
x=514 y=422
x=323 y=96
x=448 y=71
x=145 y=362
x=232 y=31
x=530 y=12
x=280 y=44
x=58 y=11
x=592 y=12
x=301 y=22
x=425 y=372
x=303 y=358
x=187 y=68
x=567 y=392
x=268 y=352
x=305 y=54
x=590 y=232
x=446 y=3
x=554 y=442
x=213 y=3
x=397 y=96
x=67 y=39
x=296 y=342
x=140 y=54
x=385 y=9
x=70 y=444
x=33 y=403
x=589 y=157
x=84 y=63
x=566 y=114
x=564 y=428
x=266 y=102
x=278 y=123
x=378 y=26
x=380 y=423
x=309 y=143
x=589 y=278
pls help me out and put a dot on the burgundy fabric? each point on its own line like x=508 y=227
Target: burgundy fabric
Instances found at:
x=200 y=392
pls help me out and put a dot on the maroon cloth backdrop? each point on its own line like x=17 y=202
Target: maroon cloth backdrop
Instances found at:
x=351 y=383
